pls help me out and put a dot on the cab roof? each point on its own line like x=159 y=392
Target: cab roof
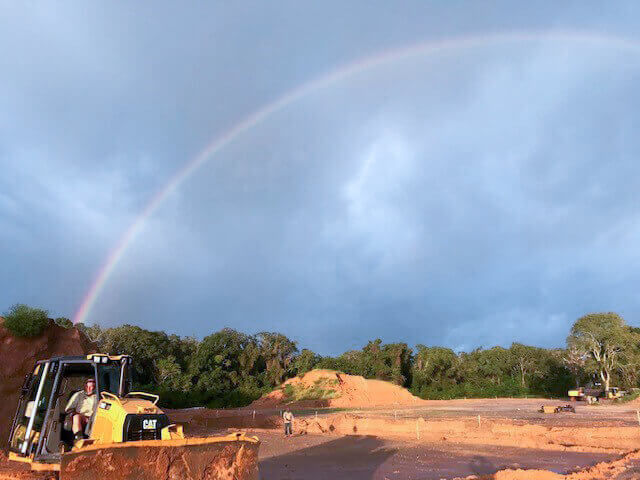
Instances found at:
x=84 y=358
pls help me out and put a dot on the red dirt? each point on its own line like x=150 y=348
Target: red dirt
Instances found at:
x=450 y=446
x=16 y=471
x=364 y=457
x=502 y=432
x=516 y=443
x=19 y=356
x=235 y=459
x=351 y=391
x=625 y=468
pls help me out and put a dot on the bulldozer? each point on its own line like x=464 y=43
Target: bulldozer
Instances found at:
x=128 y=437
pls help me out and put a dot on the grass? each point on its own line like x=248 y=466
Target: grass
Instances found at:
x=320 y=390
x=629 y=397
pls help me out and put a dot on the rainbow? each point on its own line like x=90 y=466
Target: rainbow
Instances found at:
x=331 y=78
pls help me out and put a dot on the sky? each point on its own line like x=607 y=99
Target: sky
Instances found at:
x=469 y=196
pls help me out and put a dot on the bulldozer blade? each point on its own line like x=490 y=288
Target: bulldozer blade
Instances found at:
x=234 y=457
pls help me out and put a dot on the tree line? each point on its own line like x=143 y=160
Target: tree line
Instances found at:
x=229 y=368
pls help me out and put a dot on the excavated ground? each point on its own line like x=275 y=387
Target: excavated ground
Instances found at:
x=513 y=441
x=441 y=440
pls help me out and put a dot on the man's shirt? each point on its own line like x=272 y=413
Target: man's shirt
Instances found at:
x=82 y=403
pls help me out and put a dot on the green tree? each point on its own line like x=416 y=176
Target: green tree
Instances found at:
x=222 y=360
x=278 y=353
x=435 y=367
x=64 y=322
x=602 y=338
x=170 y=375
x=526 y=361
x=146 y=348
x=390 y=362
x=305 y=362
x=25 y=321
x=94 y=333
x=575 y=360
x=398 y=358
x=334 y=363
x=554 y=375
x=183 y=350
x=493 y=366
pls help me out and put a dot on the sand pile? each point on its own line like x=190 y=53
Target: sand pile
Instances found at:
x=19 y=355
x=328 y=388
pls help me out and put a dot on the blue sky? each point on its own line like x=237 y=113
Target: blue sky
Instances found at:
x=470 y=197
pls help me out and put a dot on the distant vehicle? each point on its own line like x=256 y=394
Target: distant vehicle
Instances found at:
x=592 y=394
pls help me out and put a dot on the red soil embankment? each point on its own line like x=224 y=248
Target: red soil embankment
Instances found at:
x=488 y=432
x=463 y=431
x=19 y=356
x=343 y=391
x=205 y=422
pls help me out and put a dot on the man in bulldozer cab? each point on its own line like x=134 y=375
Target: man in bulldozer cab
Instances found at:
x=81 y=407
x=124 y=428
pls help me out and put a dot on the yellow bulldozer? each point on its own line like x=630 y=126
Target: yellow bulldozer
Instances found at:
x=128 y=437
x=594 y=394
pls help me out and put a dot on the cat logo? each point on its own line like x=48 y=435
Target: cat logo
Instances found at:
x=149 y=424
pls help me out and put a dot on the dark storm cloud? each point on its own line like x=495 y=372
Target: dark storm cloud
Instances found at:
x=470 y=198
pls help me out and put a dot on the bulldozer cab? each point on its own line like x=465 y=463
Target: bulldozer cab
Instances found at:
x=41 y=429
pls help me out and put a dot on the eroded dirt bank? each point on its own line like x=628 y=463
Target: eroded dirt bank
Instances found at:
x=480 y=431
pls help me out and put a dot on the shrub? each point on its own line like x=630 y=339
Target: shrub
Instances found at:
x=239 y=397
x=64 y=322
x=320 y=390
x=25 y=321
x=630 y=397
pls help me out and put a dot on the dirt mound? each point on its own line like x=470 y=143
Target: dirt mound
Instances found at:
x=329 y=388
x=19 y=355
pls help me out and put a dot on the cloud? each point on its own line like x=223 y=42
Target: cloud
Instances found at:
x=468 y=198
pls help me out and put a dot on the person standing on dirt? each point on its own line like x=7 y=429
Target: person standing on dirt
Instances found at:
x=287 y=416
x=81 y=406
